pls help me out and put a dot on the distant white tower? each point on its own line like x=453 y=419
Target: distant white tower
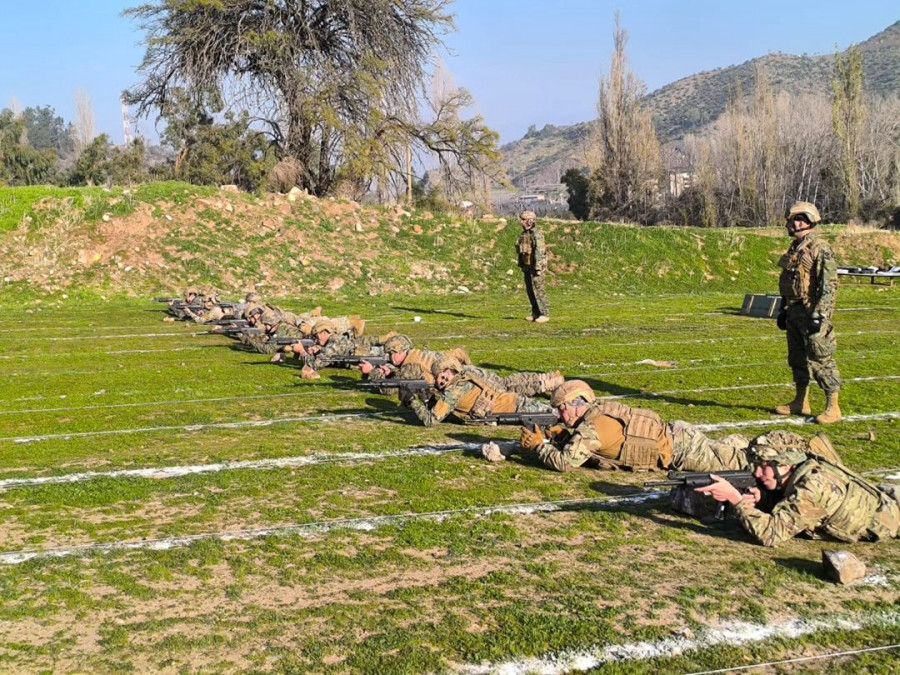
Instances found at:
x=126 y=123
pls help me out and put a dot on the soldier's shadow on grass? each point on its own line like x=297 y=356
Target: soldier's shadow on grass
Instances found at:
x=662 y=514
x=378 y=408
x=611 y=389
x=439 y=312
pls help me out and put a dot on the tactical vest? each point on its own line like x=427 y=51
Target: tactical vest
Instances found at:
x=489 y=395
x=865 y=512
x=798 y=270
x=525 y=247
x=647 y=442
x=419 y=361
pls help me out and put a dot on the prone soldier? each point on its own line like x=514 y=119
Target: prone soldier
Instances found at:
x=407 y=363
x=616 y=436
x=469 y=393
x=805 y=492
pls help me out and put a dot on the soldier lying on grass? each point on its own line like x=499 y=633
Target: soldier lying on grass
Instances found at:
x=802 y=492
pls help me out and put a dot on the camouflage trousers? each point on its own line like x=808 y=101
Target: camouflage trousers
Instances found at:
x=524 y=404
x=811 y=355
x=531 y=384
x=534 y=284
x=694 y=451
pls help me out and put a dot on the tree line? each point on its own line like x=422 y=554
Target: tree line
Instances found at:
x=342 y=97
x=767 y=151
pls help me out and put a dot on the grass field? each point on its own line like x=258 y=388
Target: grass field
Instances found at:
x=314 y=527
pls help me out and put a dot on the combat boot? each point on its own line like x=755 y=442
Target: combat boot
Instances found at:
x=317 y=311
x=800 y=404
x=307 y=373
x=550 y=381
x=543 y=318
x=832 y=412
x=357 y=325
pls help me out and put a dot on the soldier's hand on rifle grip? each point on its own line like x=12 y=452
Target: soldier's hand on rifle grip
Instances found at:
x=531 y=439
x=365 y=367
x=781 y=319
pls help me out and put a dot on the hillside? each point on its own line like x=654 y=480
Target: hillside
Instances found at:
x=162 y=237
x=687 y=105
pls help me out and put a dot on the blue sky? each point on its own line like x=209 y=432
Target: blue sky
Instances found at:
x=525 y=61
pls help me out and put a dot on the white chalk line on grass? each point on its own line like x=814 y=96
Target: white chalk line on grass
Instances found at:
x=365 y=524
x=319 y=392
x=795 y=421
x=799 y=659
x=163 y=472
x=121 y=352
x=787 y=421
x=201 y=427
x=730 y=633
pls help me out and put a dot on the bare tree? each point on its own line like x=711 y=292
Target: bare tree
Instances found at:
x=83 y=129
x=625 y=159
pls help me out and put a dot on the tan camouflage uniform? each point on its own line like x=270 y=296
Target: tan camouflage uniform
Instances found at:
x=417 y=365
x=616 y=436
x=808 y=284
x=263 y=345
x=342 y=344
x=532 y=259
x=472 y=395
x=823 y=498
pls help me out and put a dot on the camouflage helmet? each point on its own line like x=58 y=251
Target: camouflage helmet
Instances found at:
x=191 y=291
x=446 y=363
x=528 y=215
x=256 y=310
x=571 y=390
x=397 y=343
x=269 y=317
x=324 y=325
x=252 y=296
x=806 y=209
x=778 y=447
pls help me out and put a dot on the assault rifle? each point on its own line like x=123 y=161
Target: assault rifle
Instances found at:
x=231 y=323
x=524 y=419
x=420 y=388
x=285 y=341
x=168 y=300
x=350 y=361
x=742 y=480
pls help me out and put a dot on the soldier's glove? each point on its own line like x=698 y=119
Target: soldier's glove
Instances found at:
x=531 y=439
x=781 y=319
x=815 y=322
x=406 y=397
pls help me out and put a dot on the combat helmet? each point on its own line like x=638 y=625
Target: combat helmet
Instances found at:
x=324 y=325
x=446 y=363
x=571 y=390
x=528 y=215
x=783 y=448
x=253 y=297
x=269 y=317
x=806 y=209
x=397 y=343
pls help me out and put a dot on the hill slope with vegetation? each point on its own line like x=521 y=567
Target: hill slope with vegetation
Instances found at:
x=162 y=237
x=691 y=103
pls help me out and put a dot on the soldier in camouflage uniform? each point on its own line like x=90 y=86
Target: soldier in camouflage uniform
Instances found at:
x=406 y=363
x=333 y=343
x=470 y=393
x=612 y=435
x=273 y=327
x=212 y=311
x=532 y=258
x=802 y=492
x=808 y=287
x=191 y=297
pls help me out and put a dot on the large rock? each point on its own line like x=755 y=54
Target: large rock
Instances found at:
x=842 y=567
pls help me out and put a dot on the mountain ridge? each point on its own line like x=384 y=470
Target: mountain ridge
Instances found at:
x=691 y=103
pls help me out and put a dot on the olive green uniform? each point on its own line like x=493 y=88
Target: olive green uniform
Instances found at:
x=532 y=257
x=616 y=436
x=822 y=498
x=808 y=285
x=472 y=395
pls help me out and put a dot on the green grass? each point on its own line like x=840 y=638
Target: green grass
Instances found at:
x=416 y=595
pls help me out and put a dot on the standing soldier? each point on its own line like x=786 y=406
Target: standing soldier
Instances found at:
x=533 y=260
x=808 y=287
